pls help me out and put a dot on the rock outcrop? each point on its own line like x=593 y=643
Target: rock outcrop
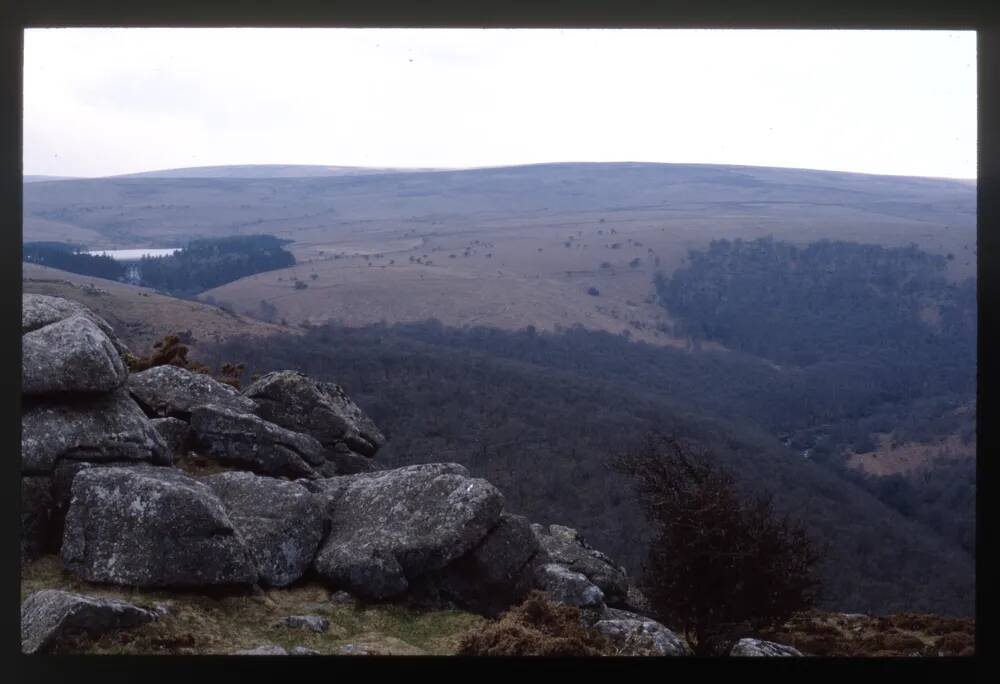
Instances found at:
x=38 y=311
x=564 y=546
x=636 y=635
x=74 y=410
x=390 y=527
x=50 y=615
x=99 y=486
x=759 y=647
x=566 y=586
x=321 y=409
x=176 y=434
x=281 y=523
x=494 y=575
x=171 y=391
x=71 y=355
x=252 y=443
x=103 y=428
x=151 y=527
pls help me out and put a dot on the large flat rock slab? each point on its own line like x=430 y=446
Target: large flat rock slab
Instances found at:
x=391 y=526
x=494 y=575
x=151 y=527
x=50 y=615
x=281 y=523
x=171 y=391
x=100 y=428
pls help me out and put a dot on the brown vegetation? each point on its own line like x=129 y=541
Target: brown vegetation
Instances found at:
x=854 y=635
x=537 y=627
x=171 y=351
x=720 y=566
x=219 y=623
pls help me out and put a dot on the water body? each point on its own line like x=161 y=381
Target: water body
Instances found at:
x=133 y=254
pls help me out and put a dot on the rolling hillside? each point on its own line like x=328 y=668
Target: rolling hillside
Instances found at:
x=141 y=316
x=507 y=247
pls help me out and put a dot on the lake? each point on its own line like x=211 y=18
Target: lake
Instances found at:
x=133 y=254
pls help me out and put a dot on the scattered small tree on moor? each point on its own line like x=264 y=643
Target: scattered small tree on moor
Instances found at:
x=720 y=566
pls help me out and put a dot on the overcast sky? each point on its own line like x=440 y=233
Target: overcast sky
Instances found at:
x=107 y=101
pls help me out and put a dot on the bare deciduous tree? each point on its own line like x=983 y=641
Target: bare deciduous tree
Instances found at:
x=720 y=565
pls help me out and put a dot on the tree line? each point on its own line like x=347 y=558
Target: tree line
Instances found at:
x=209 y=263
x=72 y=258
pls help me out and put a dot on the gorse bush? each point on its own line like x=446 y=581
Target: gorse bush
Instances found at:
x=171 y=351
x=537 y=627
x=720 y=566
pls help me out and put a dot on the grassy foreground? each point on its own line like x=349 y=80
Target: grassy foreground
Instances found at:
x=198 y=623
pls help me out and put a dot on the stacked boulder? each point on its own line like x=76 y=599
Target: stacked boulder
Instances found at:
x=75 y=411
x=322 y=410
x=301 y=493
x=283 y=425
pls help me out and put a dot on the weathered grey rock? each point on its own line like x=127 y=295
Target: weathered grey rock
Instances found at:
x=281 y=523
x=176 y=434
x=564 y=545
x=619 y=614
x=303 y=651
x=164 y=608
x=61 y=492
x=354 y=649
x=390 y=526
x=314 y=623
x=565 y=586
x=50 y=615
x=342 y=597
x=71 y=355
x=342 y=461
x=636 y=602
x=637 y=635
x=759 y=647
x=494 y=575
x=37 y=518
x=151 y=527
x=38 y=311
x=166 y=391
x=64 y=473
x=321 y=409
x=99 y=428
x=266 y=650
x=249 y=442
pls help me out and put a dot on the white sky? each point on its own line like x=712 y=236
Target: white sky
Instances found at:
x=107 y=101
